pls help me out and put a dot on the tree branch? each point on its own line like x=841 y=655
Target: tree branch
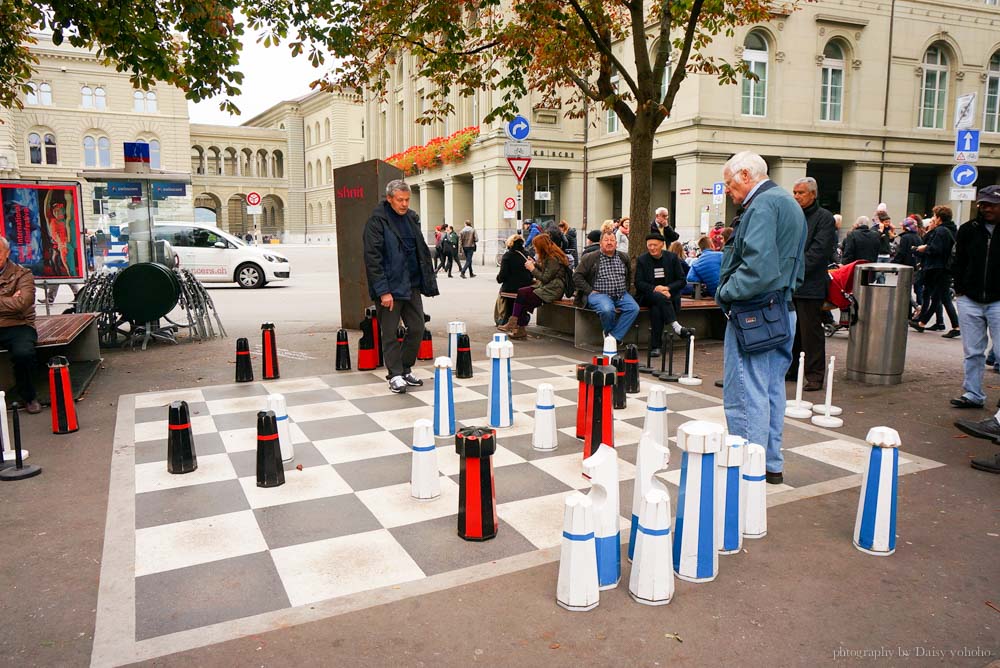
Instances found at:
x=603 y=46
x=583 y=85
x=678 y=74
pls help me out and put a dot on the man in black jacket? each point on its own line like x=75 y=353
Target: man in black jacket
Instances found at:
x=862 y=243
x=399 y=270
x=821 y=240
x=659 y=279
x=661 y=225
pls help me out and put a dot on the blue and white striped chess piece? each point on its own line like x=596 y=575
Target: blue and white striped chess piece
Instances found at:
x=577 y=587
x=545 y=438
x=425 y=482
x=610 y=347
x=602 y=467
x=276 y=403
x=651 y=457
x=444 y=398
x=696 y=556
x=455 y=327
x=875 y=526
x=655 y=423
x=753 y=492
x=500 y=400
x=651 y=581
x=728 y=513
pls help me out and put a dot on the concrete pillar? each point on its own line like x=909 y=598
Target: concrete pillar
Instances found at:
x=786 y=171
x=461 y=202
x=600 y=193
x=239 y=161
x=479 y=202
x=663 y=185
x=626 y=192
x=859 y=191
x=895 y=190
x=571 y=201
x=695 y=172
x=449 y=204
x=432 y=203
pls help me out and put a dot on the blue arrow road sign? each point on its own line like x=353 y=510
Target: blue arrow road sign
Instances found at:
x=964 y=175
x=518 y=128
x=718 y=188
x=967 y=141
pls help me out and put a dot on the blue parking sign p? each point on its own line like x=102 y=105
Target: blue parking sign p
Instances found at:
x=718 y=188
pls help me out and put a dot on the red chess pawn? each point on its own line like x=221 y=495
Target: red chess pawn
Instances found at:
x=61 y=396
x=581 y=401
x=477 y=503
x=269 y=351
x=367 y=351
x=426 y=350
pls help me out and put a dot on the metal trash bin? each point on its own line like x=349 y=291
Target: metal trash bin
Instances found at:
x=876 y=347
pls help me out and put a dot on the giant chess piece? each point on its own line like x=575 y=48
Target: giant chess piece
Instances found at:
x=6 y=445
x=426 y=350
x=655 y=422
x=444 y=398
x=577 y=587
x=61 y=396
x=376 y=334
x=875 y=525
x=270 y=472
x=425 y=483
x=602 y=468
x=581 y=401
x=181 y=456
x=728 y=486
x=455 y=327
x=631 y=369
x=343 y=351
x=797 y=407
x=651 y=581
x=276 y=404
x=500 y=399
x=477 y=501
x=269 y=352
x=696 y=555
x=826 y=413
x=464 y=356
x=600 y=423
x=545 y=437
x=689 y=378
x=618 y=392
x=753 y=492
x=610 y=347
x=244 y=365
x=651 y=458
x=367 y=349
x=20 y=470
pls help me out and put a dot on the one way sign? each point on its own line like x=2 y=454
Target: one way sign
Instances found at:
x=967 y=146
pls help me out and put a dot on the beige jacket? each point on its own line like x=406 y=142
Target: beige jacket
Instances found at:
x=18 y=310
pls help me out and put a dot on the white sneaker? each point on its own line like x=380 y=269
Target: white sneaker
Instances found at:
x=397 y=385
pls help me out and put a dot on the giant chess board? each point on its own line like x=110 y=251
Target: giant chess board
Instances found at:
x=195 y=559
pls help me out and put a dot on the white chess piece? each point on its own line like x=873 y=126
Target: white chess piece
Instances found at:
x=499 y=398
x=602 y=467
x=651 y=457
x=610 y=347
x=797 y=408
x=753 y=492
x=651 y=581
x=829 y=411
x=655 y=423
x=545 y=437
x=444 y=398
x=689 y=379
x=425 y=483
x=455 y=328
x=696 y=556
x=875 y=524
x=276 y=403
x=577 y=587
x=728 y=496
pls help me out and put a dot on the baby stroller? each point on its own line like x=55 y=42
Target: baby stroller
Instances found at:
x=840 y=295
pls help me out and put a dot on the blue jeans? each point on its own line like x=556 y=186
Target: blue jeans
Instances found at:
x=753 y=393
x=612 y=323
x=975 y=319
x=468 y=261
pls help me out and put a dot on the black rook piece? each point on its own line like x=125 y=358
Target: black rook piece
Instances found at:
x=270 y=473
x=376 y=333
x=463 y=364
x=631 y=369
x=269 y=351
x=477 y=503
x=343 y=351
x=20 y=471
x=367 y=354
x=600 y=423
x=244 y=366
x=181 y=457
x=618 y=362
x=61 y=396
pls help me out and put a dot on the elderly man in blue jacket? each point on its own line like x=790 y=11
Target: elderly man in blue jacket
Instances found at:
x=398 y=265
x=765 y=254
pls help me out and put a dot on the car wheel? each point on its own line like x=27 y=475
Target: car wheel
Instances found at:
x=250 y=276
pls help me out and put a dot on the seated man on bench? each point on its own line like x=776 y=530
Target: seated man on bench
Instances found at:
x=601 y=280
x=17 y=324
x=659 y=279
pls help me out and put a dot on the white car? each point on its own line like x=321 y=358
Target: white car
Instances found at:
x=215 y=256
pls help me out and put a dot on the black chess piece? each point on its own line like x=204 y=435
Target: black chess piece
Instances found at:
x=269 y=351
x=463 y=361
x=618 y=392
x=343 y=351
x=631 y=369
x=20 y=471
x=61 y=397
x=270 y=472
x=244 y=366
x=367 y=352
x=477 y=504
x=181 y=456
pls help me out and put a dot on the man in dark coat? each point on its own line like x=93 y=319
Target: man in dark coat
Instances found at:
x=863 y=243
x=659 y=279
x=399 y=269
x=821 y=241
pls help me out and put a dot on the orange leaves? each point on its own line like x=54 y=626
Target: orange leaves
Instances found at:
x=438 y=151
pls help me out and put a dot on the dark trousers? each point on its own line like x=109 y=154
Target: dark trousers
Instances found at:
x=400 y=357
x=20 y=341
x=469 y=252
x=810 y=339
x=526 y=302
x=937 y=283
x=662 y=311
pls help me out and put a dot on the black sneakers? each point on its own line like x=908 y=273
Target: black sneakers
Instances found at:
x=411 y=380
x=774 y=478
x=988 y=428
x=988 y=464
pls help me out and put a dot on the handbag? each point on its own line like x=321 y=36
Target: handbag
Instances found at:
x=501 y=311
x=761 y=324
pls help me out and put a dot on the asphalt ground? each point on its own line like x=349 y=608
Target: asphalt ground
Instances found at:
x=801 y=596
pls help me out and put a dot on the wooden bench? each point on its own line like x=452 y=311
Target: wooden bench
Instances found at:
x=583 y=326
x=73 y=336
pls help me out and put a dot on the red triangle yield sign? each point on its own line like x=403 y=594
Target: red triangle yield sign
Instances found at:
x=519 y=166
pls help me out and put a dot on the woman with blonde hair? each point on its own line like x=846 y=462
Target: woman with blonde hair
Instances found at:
x=677 y=248
x=512 y=276
x=549 y=273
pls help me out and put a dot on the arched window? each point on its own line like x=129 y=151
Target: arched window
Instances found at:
x=89 y=152
x=100 y=99
x=51 y=157
x=45 y=94
x=326 y=129
x=87 y=97
x=154 y=154
x=104 y=152
x=309 y=135
x=610 y=117
x=35 y=148
x=138 y=101
x=309 y=175
x=991 y=121
x=316 y=132
x=328 y=172
x=754 y=93
x=831 y=94
x=151 y=102
x=31 y=95
x=934 y=88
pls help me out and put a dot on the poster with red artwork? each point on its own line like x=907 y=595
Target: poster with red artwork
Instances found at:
x=43 y=224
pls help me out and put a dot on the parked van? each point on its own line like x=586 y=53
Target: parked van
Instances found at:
x=215 y=256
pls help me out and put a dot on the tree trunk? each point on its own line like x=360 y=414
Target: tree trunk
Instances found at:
x=641 y=167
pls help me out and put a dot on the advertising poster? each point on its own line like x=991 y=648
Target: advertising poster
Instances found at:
x=43 y=225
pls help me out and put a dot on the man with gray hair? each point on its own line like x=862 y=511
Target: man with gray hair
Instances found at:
x=17 y=324
x=763 y=256
x=398 y=265
x=661 y=225
x=821 y=242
